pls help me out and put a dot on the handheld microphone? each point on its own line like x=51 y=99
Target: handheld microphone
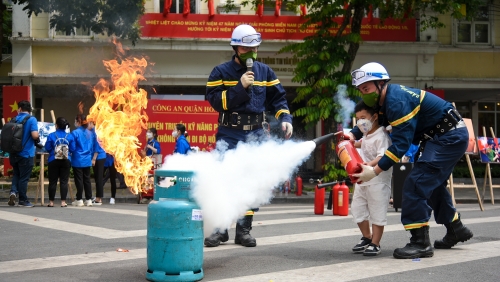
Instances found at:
x=249 y=63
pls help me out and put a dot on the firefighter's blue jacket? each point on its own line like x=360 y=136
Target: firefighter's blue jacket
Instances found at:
x=411 y=113
x=226 y=93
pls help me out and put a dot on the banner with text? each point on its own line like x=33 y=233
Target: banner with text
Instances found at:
x=271 y=27
x=199 y=118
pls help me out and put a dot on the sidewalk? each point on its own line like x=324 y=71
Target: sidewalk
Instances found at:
x=462 y=195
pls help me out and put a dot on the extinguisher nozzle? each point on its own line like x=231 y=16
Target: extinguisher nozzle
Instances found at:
x=322 y=139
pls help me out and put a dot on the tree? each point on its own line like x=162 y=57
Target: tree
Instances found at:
x=325 y=58
x=111 y=17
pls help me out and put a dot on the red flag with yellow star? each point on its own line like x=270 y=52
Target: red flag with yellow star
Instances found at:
x=11 y=96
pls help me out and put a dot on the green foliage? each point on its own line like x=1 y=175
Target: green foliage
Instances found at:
x=35 y=172
x=332 y=173
x=112 y=17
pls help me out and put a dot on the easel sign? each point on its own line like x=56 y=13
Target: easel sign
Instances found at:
x=488 y=148
x=472 y=147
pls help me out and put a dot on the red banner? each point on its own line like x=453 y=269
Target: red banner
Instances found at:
x=199 y=118
x=271 y=27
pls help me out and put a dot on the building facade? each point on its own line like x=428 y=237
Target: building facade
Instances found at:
x=61 y=69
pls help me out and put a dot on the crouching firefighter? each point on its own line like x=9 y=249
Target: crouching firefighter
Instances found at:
x=417 y=117
x=242 y=90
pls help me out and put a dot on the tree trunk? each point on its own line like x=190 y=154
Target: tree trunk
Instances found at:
x=359 y=13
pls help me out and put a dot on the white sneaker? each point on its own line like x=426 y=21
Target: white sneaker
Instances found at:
x=88 y=203
x=112 y=201
x=78 y=203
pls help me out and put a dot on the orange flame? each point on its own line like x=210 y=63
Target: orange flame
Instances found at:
x=120 y=117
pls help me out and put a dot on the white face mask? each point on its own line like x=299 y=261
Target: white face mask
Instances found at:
x=175 y=133
x=149 y=135
x=365 y=125
x=76 y=124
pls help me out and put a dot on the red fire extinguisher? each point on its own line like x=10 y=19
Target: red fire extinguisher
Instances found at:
x=319 y=199
x=336 y=199
x=349 y=157
x=298 y=188
x=343 y=200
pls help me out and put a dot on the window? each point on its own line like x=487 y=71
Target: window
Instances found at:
x=178 y=6
x=75 y=33
x=489 y=116
x=476 y=31
x=269 y=9
x=464 y=109
x=79 y=32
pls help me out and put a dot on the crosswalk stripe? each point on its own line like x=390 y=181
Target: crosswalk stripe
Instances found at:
x=106 y=233
x=94 y=231
x=71 y=260
x=349 y=271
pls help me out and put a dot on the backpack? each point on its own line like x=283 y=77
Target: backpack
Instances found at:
x=12 y=136
x=61 y=150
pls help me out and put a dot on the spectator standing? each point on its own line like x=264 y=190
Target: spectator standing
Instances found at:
x=98 y=160
x=22 y=162
x=59 y=163
x=109 y=166
x=181 y=143
x=81 y=160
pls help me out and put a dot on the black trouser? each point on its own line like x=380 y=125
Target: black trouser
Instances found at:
x=59 y=170
x=110 y=172
x=82 y=181
x=98 y=175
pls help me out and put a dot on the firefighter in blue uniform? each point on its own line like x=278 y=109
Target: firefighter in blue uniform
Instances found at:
x=417 y=116
x=241 y=94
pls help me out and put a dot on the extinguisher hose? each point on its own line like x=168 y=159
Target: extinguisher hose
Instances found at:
x=323 y=185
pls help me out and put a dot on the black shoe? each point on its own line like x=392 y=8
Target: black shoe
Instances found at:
x=362 y=245
x=455 y=232
x=419 y=246
x=12 y=199
x=243 y=236
x=372 y=250
x=216 y=238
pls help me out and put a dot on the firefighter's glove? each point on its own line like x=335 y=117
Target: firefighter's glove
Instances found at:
x=367 y=174
x=287 y=128
x=247 y=79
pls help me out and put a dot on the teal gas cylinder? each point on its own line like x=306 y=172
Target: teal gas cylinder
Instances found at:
x=175 y=229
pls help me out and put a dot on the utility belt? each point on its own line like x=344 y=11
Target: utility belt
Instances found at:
x=452 y=120
x=241 y=121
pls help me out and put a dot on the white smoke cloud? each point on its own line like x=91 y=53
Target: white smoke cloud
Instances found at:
x=228 y=183
x=346 y=106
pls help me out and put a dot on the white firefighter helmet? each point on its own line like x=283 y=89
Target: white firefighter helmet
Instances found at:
x=245 y=35
x=369 y=72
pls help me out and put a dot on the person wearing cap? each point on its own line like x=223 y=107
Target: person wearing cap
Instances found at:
x=417 y=117
x=242 y=90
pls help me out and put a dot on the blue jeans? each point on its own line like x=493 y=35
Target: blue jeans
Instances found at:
x=22 y=168
x=424 y=189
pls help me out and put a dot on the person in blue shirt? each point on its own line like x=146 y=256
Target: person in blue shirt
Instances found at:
x=59 y=169
x=152 y=145
x=98 y=160
x=109 y=166
x=81 y=160
x=417 y=116
x=181 y=144
x=22 y=162
x=242 y=90
x=152 y=148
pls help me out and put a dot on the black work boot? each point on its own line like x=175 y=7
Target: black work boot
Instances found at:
x=216 y=238
x=455 y=232
x=419 y=246
x=243 y=236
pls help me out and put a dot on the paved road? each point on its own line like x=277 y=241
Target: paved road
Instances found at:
x=80 y=244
